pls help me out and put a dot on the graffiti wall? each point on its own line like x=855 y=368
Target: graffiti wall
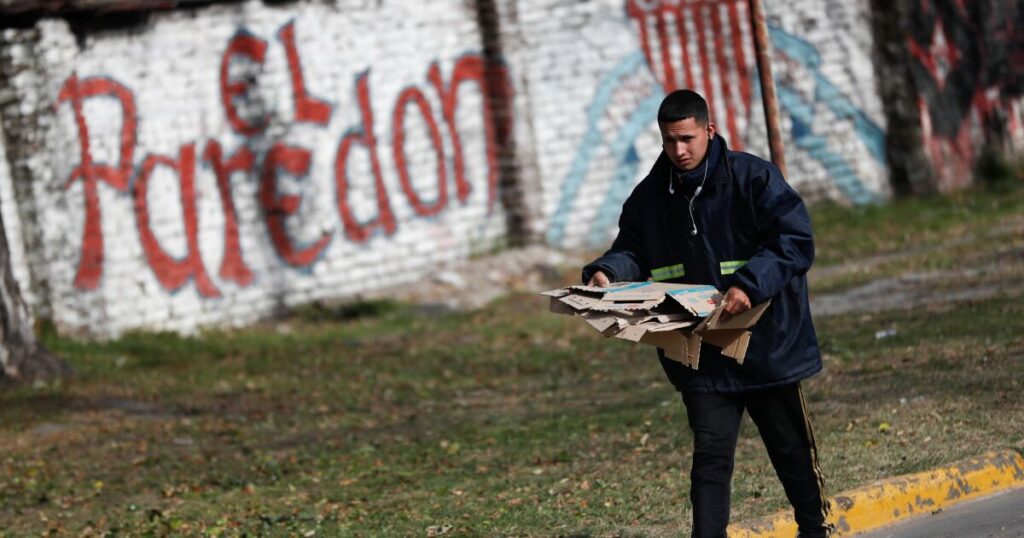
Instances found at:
x=215 y=166
x=967 y=63
x=212 y=165
x=612 y=84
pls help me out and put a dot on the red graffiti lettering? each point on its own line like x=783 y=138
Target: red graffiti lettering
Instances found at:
x=232 y=266
x=237 y=98
x=255 y=49
x=472 y=68
x=277 y=206
x=385 y=219
x=90 y=264
x=448 y=97
x=173 y=273
x=398 y=147
x=307 y=108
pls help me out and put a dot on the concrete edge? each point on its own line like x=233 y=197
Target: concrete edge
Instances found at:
x=895 y=499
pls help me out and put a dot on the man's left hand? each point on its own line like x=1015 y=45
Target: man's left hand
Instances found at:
x=736 y=301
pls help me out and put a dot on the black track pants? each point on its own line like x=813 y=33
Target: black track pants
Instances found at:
x=781 y=417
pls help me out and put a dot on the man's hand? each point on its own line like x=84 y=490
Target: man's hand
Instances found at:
x=736 y=301
x=600 y=280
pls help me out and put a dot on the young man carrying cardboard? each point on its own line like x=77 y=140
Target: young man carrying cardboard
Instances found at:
x=708 y=215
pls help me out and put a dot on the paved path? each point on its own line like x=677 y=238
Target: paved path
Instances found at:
x=998 y=516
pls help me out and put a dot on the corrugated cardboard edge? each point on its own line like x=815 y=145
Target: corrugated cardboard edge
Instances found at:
x=679 y=346
x=732 y=342
x=633 y=333
x=689 y=307
x=608 y=306
x=558 y=307
x=743 y=320
x=606 y=325
x=683 y=346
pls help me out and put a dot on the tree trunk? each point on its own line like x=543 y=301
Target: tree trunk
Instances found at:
x=22 y=357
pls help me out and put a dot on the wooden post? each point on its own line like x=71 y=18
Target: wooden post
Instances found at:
x=762 y=48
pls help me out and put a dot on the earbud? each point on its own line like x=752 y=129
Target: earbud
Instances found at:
x=696 y=192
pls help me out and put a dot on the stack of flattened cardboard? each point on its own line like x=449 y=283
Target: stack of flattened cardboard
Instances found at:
x=673 y=317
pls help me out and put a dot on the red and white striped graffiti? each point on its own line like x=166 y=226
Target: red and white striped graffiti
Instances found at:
x=703 y=45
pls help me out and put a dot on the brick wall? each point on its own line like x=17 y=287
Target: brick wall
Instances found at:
x=966 y=74
x=211 y=165
x=598 y=70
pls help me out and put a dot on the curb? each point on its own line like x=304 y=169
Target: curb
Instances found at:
x=895 y=499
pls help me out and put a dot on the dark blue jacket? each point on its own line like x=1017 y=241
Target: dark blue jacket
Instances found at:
x=753 y=231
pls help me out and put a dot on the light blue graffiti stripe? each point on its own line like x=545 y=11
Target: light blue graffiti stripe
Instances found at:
x=826 y=92
x=624 y=151
x=625 y=174
x=590 y=143
x=802 y=116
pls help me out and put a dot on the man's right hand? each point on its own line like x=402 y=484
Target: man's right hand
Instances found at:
x=599 y=279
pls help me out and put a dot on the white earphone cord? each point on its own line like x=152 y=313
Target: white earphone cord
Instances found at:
x=696 y=193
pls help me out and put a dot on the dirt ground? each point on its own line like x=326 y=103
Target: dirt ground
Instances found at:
x=472 y=284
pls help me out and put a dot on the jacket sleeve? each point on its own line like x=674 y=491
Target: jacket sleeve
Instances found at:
x=624 y=261
x=785 y=243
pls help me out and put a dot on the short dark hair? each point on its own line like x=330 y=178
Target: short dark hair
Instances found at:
x=682 y=104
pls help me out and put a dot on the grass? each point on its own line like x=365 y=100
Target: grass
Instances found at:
x=963 y=230
x=377 y=420
x=844 y=234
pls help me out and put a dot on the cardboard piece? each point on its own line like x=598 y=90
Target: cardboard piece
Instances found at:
x=558 y=307
x=677 y=318
x=671 y=326
x=580 y=302
x=597 y=290
x=637 y=291
x=719 y=319
x=733 y=342
x=603 y=324
x=698 y=300
x=607 y=306
x=678 y=345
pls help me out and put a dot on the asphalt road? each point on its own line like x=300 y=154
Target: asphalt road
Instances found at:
x=998 y=516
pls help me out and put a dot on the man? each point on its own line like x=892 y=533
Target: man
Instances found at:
x=708 y=215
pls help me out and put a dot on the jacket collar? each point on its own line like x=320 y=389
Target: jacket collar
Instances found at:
x=721 y=174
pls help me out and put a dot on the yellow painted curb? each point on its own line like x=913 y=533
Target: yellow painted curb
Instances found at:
x=891 y=500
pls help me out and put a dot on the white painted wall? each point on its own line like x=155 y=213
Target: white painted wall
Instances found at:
x=585 y=98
